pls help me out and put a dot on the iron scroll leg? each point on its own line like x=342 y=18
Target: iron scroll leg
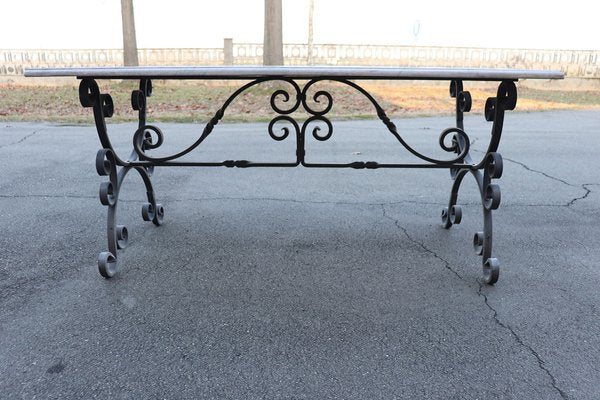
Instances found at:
x=490 y=198
x=453 y=213
x=117 y=235
x=151 y=211
x=488 y=169
x=109 y=164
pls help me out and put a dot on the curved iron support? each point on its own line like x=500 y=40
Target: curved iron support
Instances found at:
x=492 y=166
x=301 y=97
x=143 y=129
x=102 y=104
x=107 y=163
x=117 y=235
x=458 y=131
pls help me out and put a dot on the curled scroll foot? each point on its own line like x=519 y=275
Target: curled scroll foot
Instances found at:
x=491 y=270
x=107 y=264
x=158 y=215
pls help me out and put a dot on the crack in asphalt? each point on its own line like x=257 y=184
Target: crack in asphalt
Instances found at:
x=587 y=193
x=528 y=168
x=22 y=139
x=420 y=244
x=583 y=186
x=541 y=363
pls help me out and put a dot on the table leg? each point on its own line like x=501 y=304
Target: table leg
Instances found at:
x=109 y=164
x=489 y=168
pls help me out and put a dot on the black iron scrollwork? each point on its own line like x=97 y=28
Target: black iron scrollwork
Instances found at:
x=284 y=102
x=208 y=129
x=284 y=130
x=108 y=163
x=489 y=168
x=323 y=103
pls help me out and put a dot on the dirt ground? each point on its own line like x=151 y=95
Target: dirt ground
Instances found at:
x=195 y=102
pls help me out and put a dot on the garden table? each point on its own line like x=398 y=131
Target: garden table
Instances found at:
x=284 y=102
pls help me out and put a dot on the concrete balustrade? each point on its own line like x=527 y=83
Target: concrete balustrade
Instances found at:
x=574 y=63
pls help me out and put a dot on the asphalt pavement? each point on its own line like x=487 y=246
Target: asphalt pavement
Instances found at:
x=302 y=283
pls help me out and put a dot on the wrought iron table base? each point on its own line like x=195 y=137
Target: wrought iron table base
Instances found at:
x=148 y=137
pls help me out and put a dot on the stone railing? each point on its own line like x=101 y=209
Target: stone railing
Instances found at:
x=12 y=62
x=575 y=63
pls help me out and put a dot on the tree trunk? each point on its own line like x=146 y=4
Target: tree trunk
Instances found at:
x=311 y=11
x=130 y=55
x=273 y=41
